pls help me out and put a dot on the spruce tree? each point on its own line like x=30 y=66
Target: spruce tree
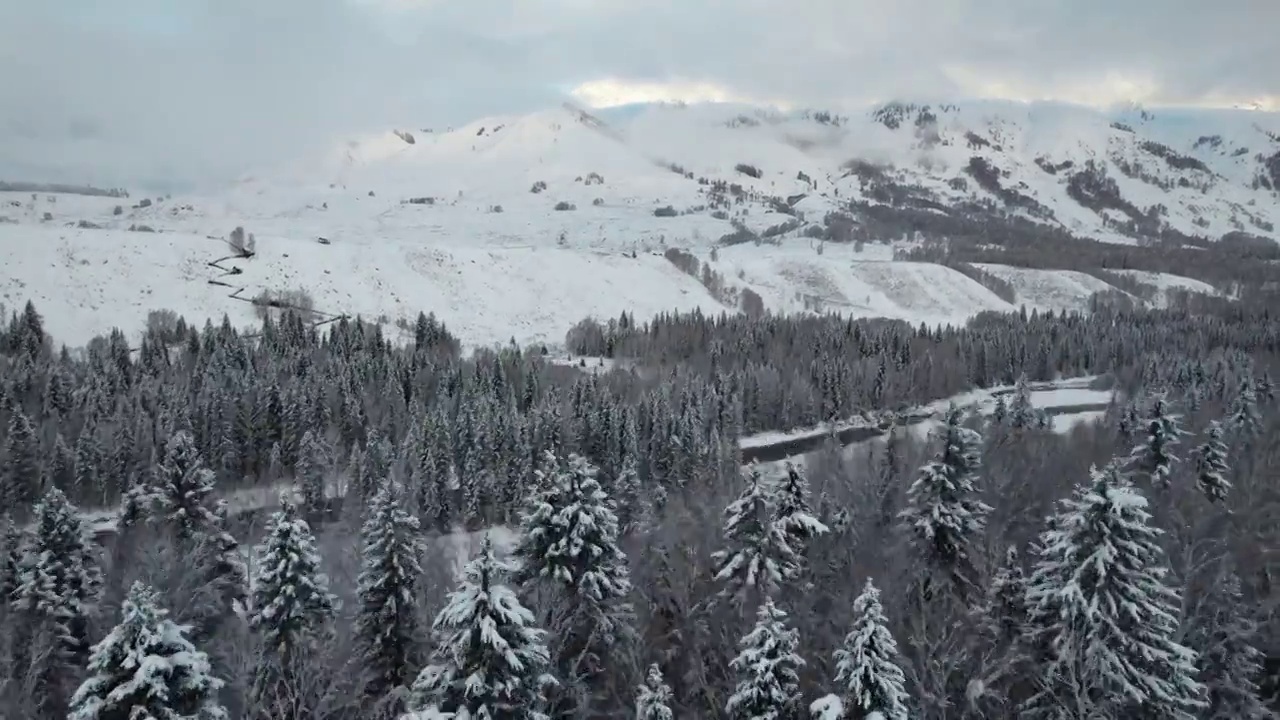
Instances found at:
x=792 y=515
x=10 y=560
x=867 y=663
x=387 y=625
x=1022 y=414
x=653 y=701
x=184 y=487
x=292 y=605
x=1230 y=663
x=222 y=575
x=943 y=516
x=767 y=670
x=759 y=556
x=1154 y=457
x=1000 y=415
x=1211 y=465
x=313 y=463
x=56 y=594
x=20 y=473
x=490 y=659
x=146 y=669
x=1100 y=614
x=569 y=548
x=1244 y=419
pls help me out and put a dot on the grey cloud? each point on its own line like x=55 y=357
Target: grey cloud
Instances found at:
x=242 y=84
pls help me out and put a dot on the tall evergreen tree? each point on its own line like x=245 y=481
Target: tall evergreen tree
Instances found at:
x=1244 y=418
x=490 y=659
x=1230 y=663
x=568 y=547
x=653 y=701
x=943 y=516
x=292 y=605
x=1100 y=610
x=146 y=669
x=57 y=590
x=1211 y=465
x=793 y=515
x=1154 y=457
x=1022 y=414
x=767 y=669
x=222 y=576
x=759 y=556
x=20 y=475
x=867 y=663
x=313 y=463
x=387 y=621
x=184 y=487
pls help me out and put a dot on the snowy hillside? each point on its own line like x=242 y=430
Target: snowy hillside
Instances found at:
x=521 y=226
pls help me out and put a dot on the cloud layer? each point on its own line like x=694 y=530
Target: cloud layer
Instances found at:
x=155 y=91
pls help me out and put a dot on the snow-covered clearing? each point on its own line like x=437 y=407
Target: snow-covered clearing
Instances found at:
x=1165 y=283
x=1055 y=290
x=87 y=281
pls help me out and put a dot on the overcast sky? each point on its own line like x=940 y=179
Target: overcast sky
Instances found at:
x=138 y=91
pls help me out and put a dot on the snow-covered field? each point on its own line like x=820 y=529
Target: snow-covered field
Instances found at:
x=1055 y=290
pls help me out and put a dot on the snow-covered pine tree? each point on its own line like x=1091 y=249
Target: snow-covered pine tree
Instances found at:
x=490 y=659
x=759 y=556
x=569 y=549
x=767 y=669
x=943 y=515
x=1129 y=422
x=1004 y=615
x=1022 y=414
x=387 y=625
x=57 y=589
x=793 y=515
x=1154 y=457
x=1101 y=615
x=223 y=578
x=292 y=605
x=313 y=463
x=1266 y=388
x=58 y=575
x=1211 y=465
x=10 y=558
x=1243 y=418
x=1230 y=663
x=20 y=476
x=1000 y=415
x=1002 y=623
x=653 y=700
x=184 y=487
x=867 y=663
x=146 y=669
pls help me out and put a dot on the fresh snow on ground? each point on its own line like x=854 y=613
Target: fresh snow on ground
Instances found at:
x=1056 y=290
x=1166 y=282
x=86 y=281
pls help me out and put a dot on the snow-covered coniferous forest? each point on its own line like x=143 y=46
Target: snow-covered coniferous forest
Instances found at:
x=313 y=521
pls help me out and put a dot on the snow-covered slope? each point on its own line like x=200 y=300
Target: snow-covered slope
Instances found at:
x=521 y=226
x=87 y=281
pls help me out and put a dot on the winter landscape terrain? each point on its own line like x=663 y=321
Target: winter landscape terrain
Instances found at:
x=519 y=227
x=948 y=410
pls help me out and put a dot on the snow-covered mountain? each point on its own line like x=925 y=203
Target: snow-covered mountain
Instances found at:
x=520 y=226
